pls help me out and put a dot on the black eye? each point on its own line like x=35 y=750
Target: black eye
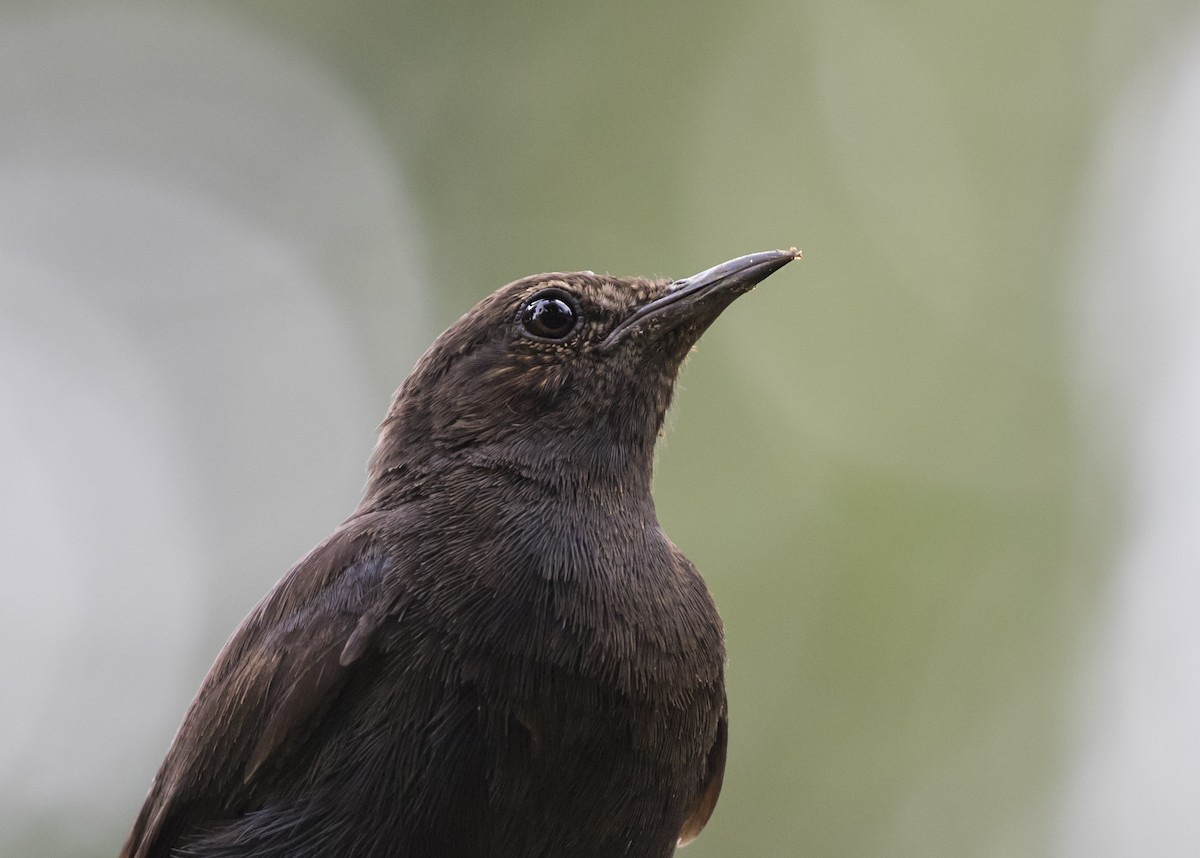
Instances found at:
x=549 y=315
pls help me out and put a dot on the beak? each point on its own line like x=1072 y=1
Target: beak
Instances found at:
x=704 y=295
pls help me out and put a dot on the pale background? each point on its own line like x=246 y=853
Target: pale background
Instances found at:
x=941 y=475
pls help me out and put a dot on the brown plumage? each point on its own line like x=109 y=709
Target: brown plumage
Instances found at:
x=499 y=653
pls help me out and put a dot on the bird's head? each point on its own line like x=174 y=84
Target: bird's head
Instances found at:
x=563 y=372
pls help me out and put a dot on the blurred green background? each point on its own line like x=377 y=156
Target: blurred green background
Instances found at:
x=878 y=459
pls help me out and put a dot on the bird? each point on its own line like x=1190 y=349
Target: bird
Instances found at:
x=500 y=652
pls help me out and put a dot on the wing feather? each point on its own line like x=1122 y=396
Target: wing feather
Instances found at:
x=702 y=810
x=269 y=688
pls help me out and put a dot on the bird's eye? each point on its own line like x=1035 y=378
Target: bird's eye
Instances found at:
x=549 y=315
